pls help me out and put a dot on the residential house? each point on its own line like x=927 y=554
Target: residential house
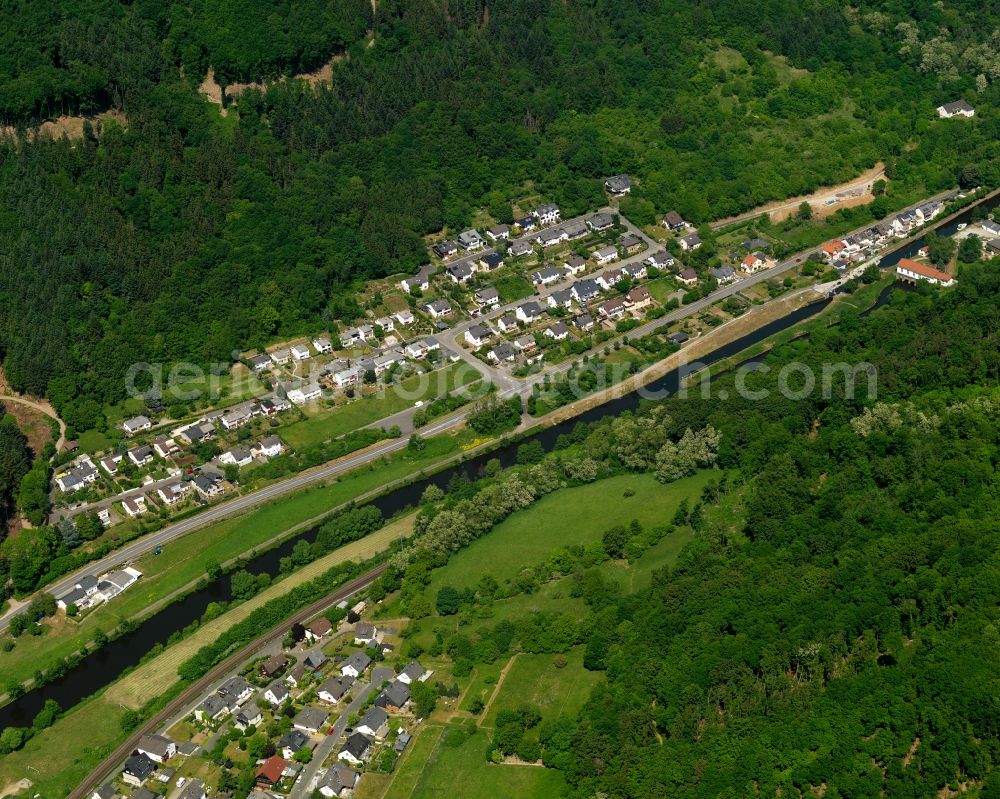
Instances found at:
x=599 y=222
x=502 y=353
x=605 y=255
x=402 y=740
x=460 y=273
x=172 y=494
x=355 y=664
x=156 y=748
x=338 y=781
x=673 y=221
x=547 y=214
x=575 y=265
x=208 y=484
x=282 y=356
x=115 y=582
x=498 y=232
x=393 y=697
x=487 y=297
x=752 y=263
x=678 y=338
x=692 y=241
x=491 y=261
x=334 y=689
x=420 y=281
x=198 y=432
x=268 y=447
x=236 y=689
x=755 y=244
x=194 y=789
x=291 y=742
x=585 y=290
x=106 y=791
x=347 y=377
x=273 y=666
x=315 y=660
x=523 y=344
x=438 y=308
x=635 y=271
x=477 y=335
x=164 y=446
x=911 y=271
x=247 y=716
x=574 y=230
x=136 y=424
x=300 y=352
x=140 y=456
x=276 y=693
x=688 y=277
x=507 y=323
x=258 y=363
x=237 y=456
x=138 y=769
x=296 y=676
x=930 y=209
x=322 y=345
x=374 y=723
x=318 y=628
x=551 y=237
x=639 y=298
x=618 y=185
x=104 y=515
x=958 y=108
x=724 y=274
x=310 y=719
x=558 y=331
x=520 y=248
x=614 y=308
x=905 y=222
x=832 y=249
x=355 y=749
x=405 y=318
x=270 y=773
x=546 y=276
x=526 y=223
x=110 y=464
x=631 y=243
x=134 y=506
x=470 y=240
x=991 y=248
x=560 y=299
x=610 y=279
x=445 y=249
x=528 y=312
x=584 y=321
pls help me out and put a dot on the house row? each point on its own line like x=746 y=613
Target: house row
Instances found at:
x=79 y=475
x=90 y=591
x=242 y=455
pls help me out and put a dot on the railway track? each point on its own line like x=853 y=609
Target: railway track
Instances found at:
x=196 y=689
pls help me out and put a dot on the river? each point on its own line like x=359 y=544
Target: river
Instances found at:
x=106 y=665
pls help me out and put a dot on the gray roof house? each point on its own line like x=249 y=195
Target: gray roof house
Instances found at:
x=374 y=722
x=310 y=719
x=412 y=672
x=338 y=780
x=618 y=185
x=393 y=696
x=355 y=664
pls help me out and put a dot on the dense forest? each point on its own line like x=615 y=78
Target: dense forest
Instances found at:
x=181 y=234
x=830 y=631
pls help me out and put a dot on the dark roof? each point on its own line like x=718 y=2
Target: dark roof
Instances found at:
x=357 y=745
x=374 y=718
x=294 y=740
x=139 y=766
x=312 y=718
x=395 y=694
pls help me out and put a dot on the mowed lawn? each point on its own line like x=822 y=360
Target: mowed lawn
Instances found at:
x=137 y=688
x=186 y=559
x=457 y=768
x=535 y=681
x=577 y=515
x=333 y=422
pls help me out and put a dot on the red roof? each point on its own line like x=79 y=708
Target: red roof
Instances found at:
x=750 y=260
x=320 y=626
x=834 y=246
x=272 y=770
x=924 y=270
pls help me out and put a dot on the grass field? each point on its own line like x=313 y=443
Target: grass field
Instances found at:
x=135 y=689
x=334 y=422
x=513 y=287
x=57 y=759
x=661 y=288
x=570 y=516
x=185 y=560
x=534 y=680
x=453 y=764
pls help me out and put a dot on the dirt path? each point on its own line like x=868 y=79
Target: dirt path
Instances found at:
x=845 y=195
x=496 y=690
x=211 y=90
x=43 y=407
x=69 y=126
